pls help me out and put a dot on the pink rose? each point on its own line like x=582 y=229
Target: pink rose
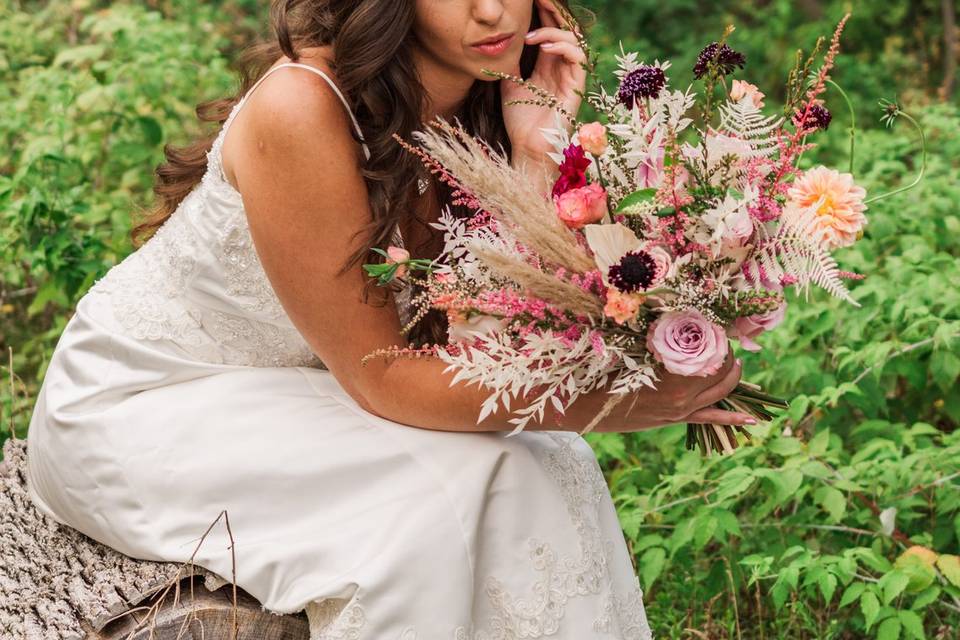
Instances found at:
x=583 y=206
x=687 y=343
x=593 y=138
x=750 y=327
x=741 y=90
x=663 y=260
x=622 y=306
x=398 y=255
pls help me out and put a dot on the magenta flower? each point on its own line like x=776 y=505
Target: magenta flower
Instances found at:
x=573 y=170
x=687 y=343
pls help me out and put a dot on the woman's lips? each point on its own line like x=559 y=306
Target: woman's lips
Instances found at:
x=494 y=48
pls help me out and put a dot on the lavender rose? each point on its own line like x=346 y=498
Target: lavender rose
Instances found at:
x=687 y=343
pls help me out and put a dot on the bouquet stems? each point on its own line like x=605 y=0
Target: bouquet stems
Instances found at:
x=746 y=398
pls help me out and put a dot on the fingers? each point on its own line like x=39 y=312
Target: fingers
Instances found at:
x=550 y=34
x=721 y=389
x=570 y=52
x=712 y=415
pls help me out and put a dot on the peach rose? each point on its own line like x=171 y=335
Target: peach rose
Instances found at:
x=593 y=138
x=622 y=306
x=741 y=90
x=583 y=206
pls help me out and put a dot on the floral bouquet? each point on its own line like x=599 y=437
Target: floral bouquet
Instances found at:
x=658 y=242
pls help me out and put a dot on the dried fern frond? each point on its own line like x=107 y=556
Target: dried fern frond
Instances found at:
x=745 y=121
x=507 y=193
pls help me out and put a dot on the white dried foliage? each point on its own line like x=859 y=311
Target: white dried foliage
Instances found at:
x=795 y=249
x=742 y=119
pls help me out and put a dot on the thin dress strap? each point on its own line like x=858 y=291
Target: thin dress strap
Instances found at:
x=397 y=236
x=333 y=85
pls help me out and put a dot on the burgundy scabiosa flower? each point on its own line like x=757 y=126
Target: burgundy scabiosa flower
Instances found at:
x=573 y=170
x=636 y=271
x=726 y=58
x=642 y=82
x=819 y=116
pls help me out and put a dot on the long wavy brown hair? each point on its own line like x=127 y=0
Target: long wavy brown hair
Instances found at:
x=371 y=43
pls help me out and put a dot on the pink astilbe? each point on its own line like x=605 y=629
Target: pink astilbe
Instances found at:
x=802 y=118
x=460 y=195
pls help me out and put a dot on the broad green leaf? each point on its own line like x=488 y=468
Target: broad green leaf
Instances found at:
x=945 y=368
x=870 y=606
x=832 y=501
x=928 y=595
x=912 y=623
x=893 y=584
x=636 y=197
x=852 y=593
x=949 y=566
x=651 y=565
x=828 y=585
x=785 y=446
x=889 y=629
x=818 y=444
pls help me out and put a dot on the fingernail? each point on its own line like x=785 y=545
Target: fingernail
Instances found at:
x=750 y=421
x=530 y=34
x=546 y=45
x=739 y=362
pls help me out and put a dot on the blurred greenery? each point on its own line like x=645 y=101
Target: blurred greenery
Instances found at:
x=840 y=520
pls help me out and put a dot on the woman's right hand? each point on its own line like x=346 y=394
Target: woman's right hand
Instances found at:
x=680 y=399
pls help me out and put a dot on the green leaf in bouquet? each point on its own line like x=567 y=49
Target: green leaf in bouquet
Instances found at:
x=666 y=213
x=637 y=197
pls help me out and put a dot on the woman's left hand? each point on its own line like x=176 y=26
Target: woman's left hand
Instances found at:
x=558 y=70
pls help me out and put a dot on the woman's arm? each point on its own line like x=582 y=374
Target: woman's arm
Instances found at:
x=296 y=167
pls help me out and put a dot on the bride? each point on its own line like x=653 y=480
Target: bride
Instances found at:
x=218 y=367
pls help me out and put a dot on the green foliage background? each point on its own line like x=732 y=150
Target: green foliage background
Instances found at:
x=783 y=539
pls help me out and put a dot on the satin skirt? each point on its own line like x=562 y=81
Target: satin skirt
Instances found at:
x=424 y=534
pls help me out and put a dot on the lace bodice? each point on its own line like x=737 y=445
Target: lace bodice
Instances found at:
x=197 y=286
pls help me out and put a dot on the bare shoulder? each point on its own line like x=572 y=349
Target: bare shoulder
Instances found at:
x=293 y=118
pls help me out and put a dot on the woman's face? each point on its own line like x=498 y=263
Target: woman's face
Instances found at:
x=451 y=33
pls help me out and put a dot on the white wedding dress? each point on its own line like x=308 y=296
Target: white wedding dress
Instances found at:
x=180 y=388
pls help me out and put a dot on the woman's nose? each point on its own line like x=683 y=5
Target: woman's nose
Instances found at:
x=487 y=11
